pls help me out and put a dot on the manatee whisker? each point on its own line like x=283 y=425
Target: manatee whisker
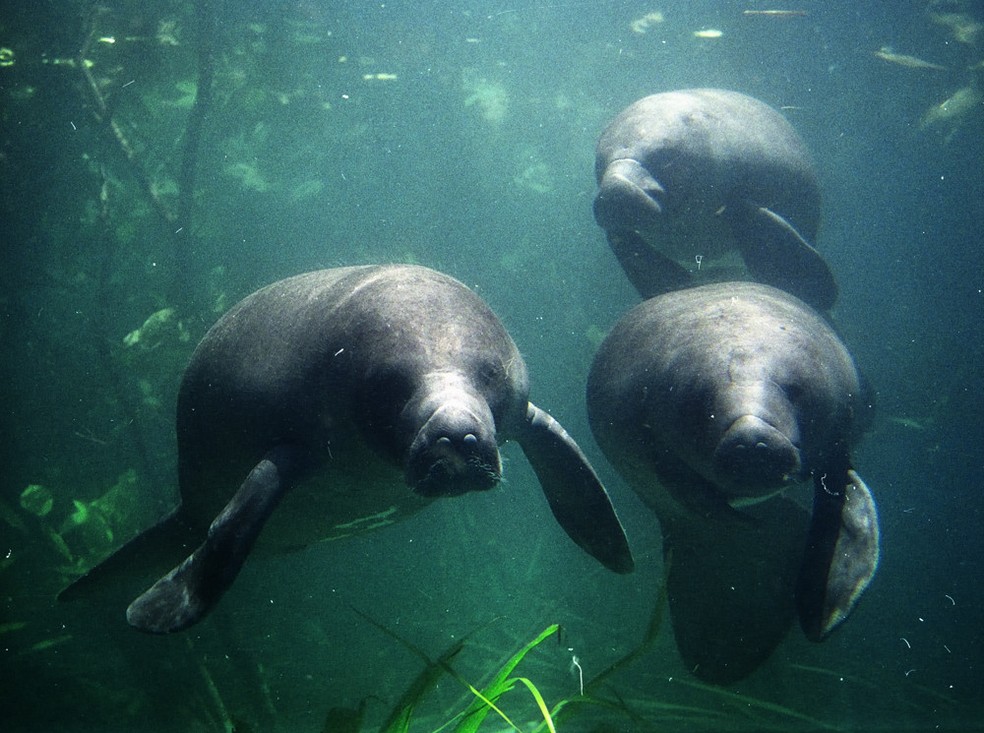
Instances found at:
x=484 y=468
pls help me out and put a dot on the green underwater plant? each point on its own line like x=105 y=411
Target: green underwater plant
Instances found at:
x=715 y=708
x=487 y=699
x=502 y=683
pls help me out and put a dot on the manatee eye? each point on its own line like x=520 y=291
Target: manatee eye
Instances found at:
x=384 y=395
x=693 y=411
x=394 y=385
x=659 y=159
x=793 y=392
x=490 y=375
x=380 y=401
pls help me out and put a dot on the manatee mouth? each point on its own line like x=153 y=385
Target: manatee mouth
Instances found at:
x=754 y=458
x=628 y=197
x=454 y=467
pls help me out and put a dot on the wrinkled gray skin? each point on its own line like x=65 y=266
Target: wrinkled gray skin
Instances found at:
x=714 y=403
x=698 y=173
x=345 y=400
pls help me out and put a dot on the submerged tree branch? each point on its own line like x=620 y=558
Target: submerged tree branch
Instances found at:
x=102 y=341
x=193 y=135
x=104 y=116
x=180 y=222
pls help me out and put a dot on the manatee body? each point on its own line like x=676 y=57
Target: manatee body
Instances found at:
x=685 y=177
x=335 y=402
x=715 y=403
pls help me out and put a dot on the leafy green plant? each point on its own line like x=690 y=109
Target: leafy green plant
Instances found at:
x=501 y=683
x=485 y=700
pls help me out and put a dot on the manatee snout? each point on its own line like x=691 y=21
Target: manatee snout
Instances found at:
x=628 y=196
x=754 y=457
x=454 y=452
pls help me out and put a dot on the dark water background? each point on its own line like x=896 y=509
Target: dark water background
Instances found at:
x=476 y=159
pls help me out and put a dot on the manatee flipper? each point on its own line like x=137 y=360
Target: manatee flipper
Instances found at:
x=776 y=254
x=841 y=553
x=650 y=272
x=576 y=496
x=183 y=596
x=730 y=586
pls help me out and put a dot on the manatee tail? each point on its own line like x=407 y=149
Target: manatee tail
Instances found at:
x=213 y=556
x=147 y=555
x=185 y=595
x=731 y=587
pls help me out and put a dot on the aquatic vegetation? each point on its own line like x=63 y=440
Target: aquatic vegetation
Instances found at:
x=486 y=700
x=249 y=176
x=772 y=13
x=966 y=104
x=885 y=53
x=489 y=97
x=963 y=27
x=80 y=532
x=954 y=109
x=714 y=707
x=380 y=76
x=534 y=174
x=37 y=500
x=188 y=91
x=159 y=326
x=912 y=423
x=644 y=23
x=307 y=190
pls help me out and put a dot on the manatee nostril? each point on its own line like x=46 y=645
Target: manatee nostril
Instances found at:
x=753 y=457
x=443 y=449
x=470 y=440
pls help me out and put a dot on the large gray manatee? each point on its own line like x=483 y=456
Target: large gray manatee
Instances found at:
x=345 y=400
x=715 y=403
x=687 y=176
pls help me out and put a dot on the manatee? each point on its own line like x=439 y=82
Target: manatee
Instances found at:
x=335 y=402
x=725 y=406
x=686 y=177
